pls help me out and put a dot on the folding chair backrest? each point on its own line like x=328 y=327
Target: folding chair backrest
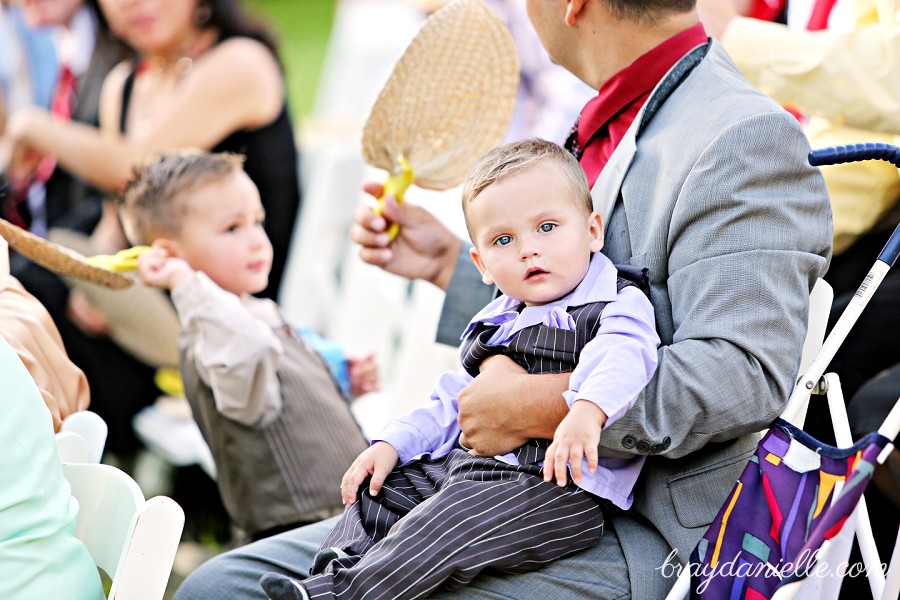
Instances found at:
x=92 y=428
x=145 y=571
x=132 y=540
x=820 y=300
x=109 y=501
x=72 y=448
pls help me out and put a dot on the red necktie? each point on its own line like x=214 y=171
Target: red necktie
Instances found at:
x=14 y=206
x=572 y=144
x=64 y=95
x=818 y=20
x=62 y=105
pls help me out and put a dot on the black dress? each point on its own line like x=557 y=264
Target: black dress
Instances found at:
x=121 y=385
x=272 y=163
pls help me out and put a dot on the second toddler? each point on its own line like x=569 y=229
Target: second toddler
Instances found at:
x=279 y=430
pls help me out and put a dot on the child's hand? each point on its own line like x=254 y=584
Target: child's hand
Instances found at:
x=160 y=269
x=363 y=374
x=377 y=460
x=576 y=438
x=86 y=316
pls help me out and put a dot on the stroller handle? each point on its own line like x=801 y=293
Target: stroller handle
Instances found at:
x=857 y=152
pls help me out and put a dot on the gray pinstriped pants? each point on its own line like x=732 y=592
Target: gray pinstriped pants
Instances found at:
x=484 y=513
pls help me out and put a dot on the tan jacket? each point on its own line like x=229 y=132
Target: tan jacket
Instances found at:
x=26 y=325
x=848 y=82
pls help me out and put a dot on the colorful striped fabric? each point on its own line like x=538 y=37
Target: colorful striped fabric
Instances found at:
x=794 y=494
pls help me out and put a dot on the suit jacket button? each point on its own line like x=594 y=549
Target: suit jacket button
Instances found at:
x=657 y=448
x=643 y=447
x=628 y=441
x=667 y=441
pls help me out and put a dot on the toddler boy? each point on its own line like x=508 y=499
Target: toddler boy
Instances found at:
x=279 y=430
x=444 y=514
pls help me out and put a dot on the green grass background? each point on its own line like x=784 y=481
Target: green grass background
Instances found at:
x=302 y=27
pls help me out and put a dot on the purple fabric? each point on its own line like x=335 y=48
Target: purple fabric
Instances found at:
x=612 y=370
x=780 y=512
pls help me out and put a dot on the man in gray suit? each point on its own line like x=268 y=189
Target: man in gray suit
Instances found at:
x=703 y=180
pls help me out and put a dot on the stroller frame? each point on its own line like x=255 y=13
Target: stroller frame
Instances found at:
x=815 y=381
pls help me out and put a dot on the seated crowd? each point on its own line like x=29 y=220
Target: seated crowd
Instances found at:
x=629 y=310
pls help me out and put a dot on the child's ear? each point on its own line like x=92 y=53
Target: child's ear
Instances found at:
x=476 y=258
x=170 y=245
x=595 y=228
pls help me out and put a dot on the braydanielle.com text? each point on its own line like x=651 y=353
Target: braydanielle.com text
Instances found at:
x=805 y=565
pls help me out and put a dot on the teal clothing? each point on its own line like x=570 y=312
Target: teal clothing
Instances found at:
x=40 y=557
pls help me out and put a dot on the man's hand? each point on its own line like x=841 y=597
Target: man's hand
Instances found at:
x=54 y=407
x=504 y=407
x=424 y=249
x=377 y=460
x=575 y=438
x=21 y=163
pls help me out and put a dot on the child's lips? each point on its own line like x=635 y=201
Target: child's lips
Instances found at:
x=258 y=265
x=536 y=274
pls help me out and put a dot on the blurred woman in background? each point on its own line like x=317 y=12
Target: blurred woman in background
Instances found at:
x=206 y=75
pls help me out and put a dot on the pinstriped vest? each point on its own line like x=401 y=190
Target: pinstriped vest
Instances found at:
x=290 y=470
x=539 y=349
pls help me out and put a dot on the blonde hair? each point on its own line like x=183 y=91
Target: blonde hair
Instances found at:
x=509 y=159
x=156 y=198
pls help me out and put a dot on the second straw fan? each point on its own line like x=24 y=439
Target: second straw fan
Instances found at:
x=449 y=99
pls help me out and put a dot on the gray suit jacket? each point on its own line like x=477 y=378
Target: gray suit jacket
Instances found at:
x=711 y=190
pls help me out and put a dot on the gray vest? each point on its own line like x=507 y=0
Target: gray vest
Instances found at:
x=291 y=470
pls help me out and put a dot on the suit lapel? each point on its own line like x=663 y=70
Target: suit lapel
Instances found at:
x=607 y=189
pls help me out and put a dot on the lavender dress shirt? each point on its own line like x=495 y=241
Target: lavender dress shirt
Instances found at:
x=612 y=369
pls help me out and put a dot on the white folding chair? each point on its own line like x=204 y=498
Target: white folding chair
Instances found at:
x=72 y=448
x=820 y=300
x=131 y=539
x=92 y=428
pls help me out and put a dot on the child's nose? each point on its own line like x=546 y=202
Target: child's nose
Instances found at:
x=528 y=249
x=258 y=238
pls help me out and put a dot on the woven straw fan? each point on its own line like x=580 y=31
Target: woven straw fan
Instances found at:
x=59 y=259
x=448 y=100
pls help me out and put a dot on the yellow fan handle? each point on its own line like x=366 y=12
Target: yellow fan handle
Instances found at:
x=168 y=381
x=396 y=185
x=123 y=260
